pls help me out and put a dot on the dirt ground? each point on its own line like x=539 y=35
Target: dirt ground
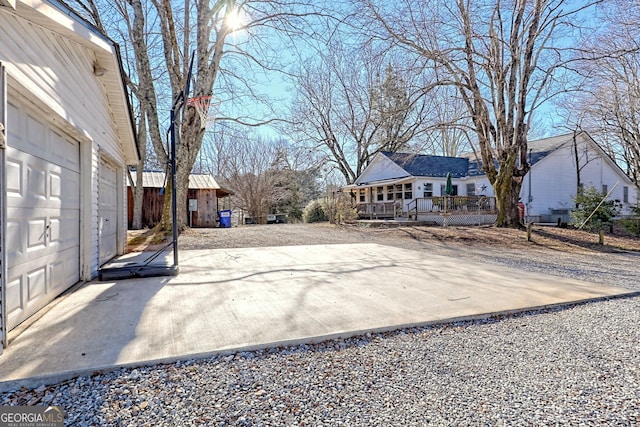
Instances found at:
x=542 y=237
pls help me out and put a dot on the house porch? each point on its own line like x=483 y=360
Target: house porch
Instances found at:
x=441 y=210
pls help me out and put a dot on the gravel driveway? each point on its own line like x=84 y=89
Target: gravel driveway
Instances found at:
x=574 y=366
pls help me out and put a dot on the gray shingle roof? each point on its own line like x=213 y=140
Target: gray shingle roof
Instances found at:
x=467 y=164
x=432 y=166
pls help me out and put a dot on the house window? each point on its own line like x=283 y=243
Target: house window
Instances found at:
x=408 y=191
x=399 y=192
x=625 y=194
x=471 y=189
x=428 y=189
x=443 y=192
x=605 y=189
x=362 y=196
x=380 y=194
x=389 y=192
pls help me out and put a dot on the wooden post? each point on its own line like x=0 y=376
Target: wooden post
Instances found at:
x=528 y=232
x=601 y=237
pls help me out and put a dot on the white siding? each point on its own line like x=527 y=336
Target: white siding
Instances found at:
x=58 y=72
x=381 y=168
x=553 y=183
x=554 y=178
x=55 y=74
x=481 y=183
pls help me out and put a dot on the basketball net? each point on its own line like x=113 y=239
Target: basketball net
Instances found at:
x=206 y=106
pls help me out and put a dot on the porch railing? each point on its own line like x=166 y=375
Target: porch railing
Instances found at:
x=378 y=210
x=453 y=204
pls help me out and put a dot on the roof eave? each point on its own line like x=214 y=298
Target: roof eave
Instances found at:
x=57 y=17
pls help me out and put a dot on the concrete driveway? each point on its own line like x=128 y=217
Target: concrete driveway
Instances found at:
x=225 y=300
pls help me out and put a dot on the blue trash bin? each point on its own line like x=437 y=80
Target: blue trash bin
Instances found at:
x=225 y=218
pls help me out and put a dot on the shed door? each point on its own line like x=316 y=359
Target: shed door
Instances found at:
x=43 y=213
x=107 y=196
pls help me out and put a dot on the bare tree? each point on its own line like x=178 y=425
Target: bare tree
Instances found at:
x=345 y=108
x=137 y=187
x=250 y=170
x=609 y=103
x=160 y=67
x=503 y=58
x=452 y=130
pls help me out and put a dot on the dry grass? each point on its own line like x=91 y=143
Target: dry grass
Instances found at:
x=145 y=240
x=552 y=238
x=543 y=238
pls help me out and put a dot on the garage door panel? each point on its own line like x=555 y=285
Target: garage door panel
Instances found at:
x=25 y=289
x=36 y=183
x=108 y=225
x=39 y=184
x=62 y=230
x=69 y=193
x=61 y=146
x=36 y=234
x=15 y=300
x=55 y=186
x=36 y=138
x=28 y=233
x=16 y=241
x=64 y=269
x=30 y=288
x=36 y=284
x=13 y=169
x=43 y=214
x=31 y=134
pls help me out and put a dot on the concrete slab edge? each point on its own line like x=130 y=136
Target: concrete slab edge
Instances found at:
x=59 y=377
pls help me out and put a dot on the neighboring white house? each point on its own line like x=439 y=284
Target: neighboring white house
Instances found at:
x=69 y=139
x=394 y=184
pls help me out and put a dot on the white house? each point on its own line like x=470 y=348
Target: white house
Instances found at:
x=395 y=184
x=559 y=165
x=68 y=140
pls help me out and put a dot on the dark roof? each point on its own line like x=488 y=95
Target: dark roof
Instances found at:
x=467 y=164
x=426 y=165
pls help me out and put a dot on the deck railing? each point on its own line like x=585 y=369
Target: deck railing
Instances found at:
x=453 y=204
x=470 y=205
x=378 y=210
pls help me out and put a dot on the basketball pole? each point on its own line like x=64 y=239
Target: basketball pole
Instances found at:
x=146 y=269
x=175 y=110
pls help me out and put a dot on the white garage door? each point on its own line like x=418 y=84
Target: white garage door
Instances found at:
x=108 y=211
x=43 y=214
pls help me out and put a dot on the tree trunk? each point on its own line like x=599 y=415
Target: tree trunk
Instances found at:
x=138 y=198
x=507 y=187
x=138 y=187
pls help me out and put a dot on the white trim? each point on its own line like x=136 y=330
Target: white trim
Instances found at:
x=52 y=17
x=391 y=181
x=86 y=219
x=3 y=216
x=11 y=4
x=607 y=158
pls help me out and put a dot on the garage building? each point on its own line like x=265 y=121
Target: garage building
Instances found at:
x=68 y=138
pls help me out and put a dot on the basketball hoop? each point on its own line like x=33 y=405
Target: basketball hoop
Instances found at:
x=206 y=106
